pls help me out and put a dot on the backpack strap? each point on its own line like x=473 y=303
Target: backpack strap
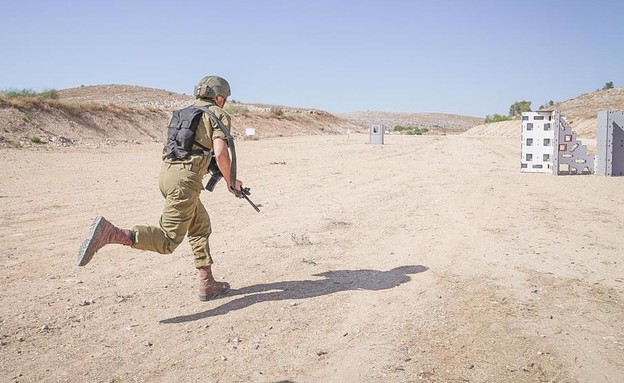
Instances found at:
x=229 y=139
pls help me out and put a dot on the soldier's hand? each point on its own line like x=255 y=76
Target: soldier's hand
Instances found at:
x=237 y=190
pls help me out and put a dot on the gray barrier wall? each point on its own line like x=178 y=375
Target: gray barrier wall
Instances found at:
x=610 y=143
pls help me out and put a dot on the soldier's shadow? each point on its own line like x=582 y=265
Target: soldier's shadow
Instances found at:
x=334 y=281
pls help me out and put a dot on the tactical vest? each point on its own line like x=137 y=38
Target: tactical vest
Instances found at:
x=181 y=136
x=181 y=133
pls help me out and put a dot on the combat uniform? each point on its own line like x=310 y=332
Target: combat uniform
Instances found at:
x=180 y=183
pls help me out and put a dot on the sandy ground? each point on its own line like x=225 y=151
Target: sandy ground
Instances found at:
x=428 y=259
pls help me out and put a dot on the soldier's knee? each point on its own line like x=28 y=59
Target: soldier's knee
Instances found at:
x=170 y=247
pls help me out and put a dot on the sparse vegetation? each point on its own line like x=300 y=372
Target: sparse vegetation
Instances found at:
x=36 y=140
x=516 y=109
x=608 y=85
x=236 y=109
x=20 y=100
x=11 y=92
x=48 y=94
x=546 y=105
x=410 y=130
x=276 y=112
x=496 y=118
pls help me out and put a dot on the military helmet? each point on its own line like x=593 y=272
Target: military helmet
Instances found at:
x=211 y=87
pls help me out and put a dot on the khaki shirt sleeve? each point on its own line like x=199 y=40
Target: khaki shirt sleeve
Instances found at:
x=208 y=130
x=225 y=119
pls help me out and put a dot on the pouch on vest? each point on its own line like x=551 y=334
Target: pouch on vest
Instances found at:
x=181 y=133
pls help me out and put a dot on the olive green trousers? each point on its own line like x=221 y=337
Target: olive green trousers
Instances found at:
x=183 y=215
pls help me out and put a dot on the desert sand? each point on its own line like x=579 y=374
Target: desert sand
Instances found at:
x=427 y=259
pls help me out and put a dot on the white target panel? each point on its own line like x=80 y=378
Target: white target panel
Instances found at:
x=549 y=145
x=538 y=138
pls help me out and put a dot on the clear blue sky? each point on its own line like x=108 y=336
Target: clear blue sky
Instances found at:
x=450 y=56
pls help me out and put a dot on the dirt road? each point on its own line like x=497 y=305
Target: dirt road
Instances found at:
x=428 y=259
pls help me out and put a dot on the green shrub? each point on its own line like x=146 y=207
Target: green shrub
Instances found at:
x=496 y=118
x=12 y=92
x=546 y=105
x=410 y=130
x=276 y=112
x=400 y=128
x=36 y=140
x=236 y=109
x=518 y=107
x=48 y=93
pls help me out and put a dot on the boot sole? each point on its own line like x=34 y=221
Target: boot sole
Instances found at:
x=205 y=298
x=86 y=251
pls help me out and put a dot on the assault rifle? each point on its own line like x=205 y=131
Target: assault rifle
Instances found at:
x=215 y=176
x=244 y=193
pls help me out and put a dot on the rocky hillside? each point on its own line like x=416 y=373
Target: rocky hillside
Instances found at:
x=111 y=114
x=580 y=112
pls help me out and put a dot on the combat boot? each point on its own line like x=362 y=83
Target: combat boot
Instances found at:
x=102 y=233
x=208 y=287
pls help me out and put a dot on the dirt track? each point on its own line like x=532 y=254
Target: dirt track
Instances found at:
x=428 y=259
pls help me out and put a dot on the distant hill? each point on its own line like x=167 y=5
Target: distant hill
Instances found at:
x=135 y=96
x=126 y=95
x=580 y=112
x=587 y=105
x=436 y=122
x=110 y=114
